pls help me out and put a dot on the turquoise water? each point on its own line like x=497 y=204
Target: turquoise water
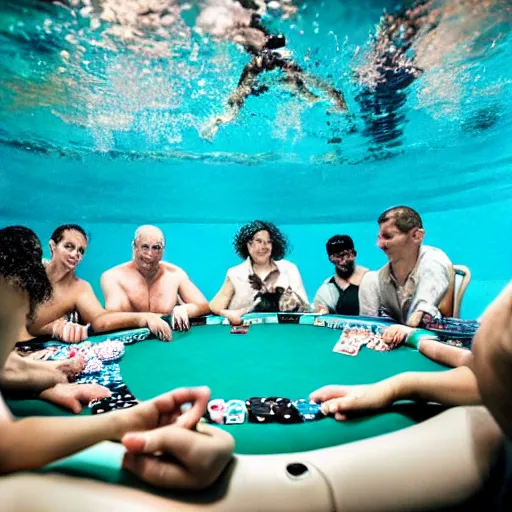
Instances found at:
x=107 y=133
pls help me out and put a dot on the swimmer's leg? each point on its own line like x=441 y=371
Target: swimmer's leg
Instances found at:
x=236 y=100
x=296 y=77
x=337 y=96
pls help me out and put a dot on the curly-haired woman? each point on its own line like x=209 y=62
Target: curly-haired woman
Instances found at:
x=264 y=281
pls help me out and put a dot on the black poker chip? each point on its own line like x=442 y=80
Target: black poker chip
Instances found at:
x=272 y=409
x=286 y=412
x=259 y=410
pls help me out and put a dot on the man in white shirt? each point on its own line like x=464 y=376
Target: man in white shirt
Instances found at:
x=418 y=279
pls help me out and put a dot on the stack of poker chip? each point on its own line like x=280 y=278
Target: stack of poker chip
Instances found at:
x=109 y=350
x=93 y=365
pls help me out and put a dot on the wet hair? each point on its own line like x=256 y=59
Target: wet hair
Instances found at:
x=246 y=233
x=405 y=218
x=58 y=234
x=21 y=266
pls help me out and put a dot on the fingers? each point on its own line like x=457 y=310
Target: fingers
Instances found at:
x=74 y=404
x=84 y=332
x=161 y=330
x=177 y=323
x=88 y=392
x=74 y=333
x=166 y=333
x=170 y=403
x=201 y=457
x=338 y=406
x=180 y=320
x=327 y=393
x=158 y=472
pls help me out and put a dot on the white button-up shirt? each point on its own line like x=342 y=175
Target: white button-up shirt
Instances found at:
x=381 y=295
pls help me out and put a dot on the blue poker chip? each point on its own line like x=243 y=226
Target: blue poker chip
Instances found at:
x=309 y=410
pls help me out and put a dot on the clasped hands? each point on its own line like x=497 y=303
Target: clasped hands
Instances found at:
x=169 y=448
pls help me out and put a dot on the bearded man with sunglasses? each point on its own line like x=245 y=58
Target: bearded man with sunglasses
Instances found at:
x=148 y=284
x=339 y=293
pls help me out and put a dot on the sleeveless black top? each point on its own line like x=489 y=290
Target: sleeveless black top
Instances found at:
x=348 y=301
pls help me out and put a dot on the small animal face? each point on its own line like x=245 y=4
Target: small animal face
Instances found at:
x=290 y=302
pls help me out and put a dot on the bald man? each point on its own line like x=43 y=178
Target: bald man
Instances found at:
x=148 y=284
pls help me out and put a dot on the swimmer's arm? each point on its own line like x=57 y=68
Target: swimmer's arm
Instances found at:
x=452 y=387
x=221 y=301
x=56 y=438
x=195 y=302
x=116 y=298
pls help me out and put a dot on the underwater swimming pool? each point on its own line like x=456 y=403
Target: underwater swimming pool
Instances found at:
x=103 y=116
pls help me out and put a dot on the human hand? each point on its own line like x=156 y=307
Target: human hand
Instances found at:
x=173 y=457
x=323 y=310
x=180 y=320
x=74 y=396
x=165 y=410
x=415 y=319
x=69 y=332
x=160 y=328
x=234 y=317
x=40 y=355
x=396 y=334
x=342 y=400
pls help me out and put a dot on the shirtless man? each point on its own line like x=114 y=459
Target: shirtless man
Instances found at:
x=149 y=284
x=73 y=297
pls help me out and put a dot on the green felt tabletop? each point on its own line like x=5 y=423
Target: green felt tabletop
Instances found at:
x=271 y=360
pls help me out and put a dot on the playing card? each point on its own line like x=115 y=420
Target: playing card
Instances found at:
x=347 y=347
x=239 y=329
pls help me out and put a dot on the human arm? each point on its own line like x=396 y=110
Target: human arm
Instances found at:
x=433 y=277
x=223 y=297
x=452 y=387
x=322 y=300
x=20 y=449
x=101 y=320
x=221 y=301
x=194 y=301
x=194 y=304
x=369 y=296
x=116 y=298
x=296 y=283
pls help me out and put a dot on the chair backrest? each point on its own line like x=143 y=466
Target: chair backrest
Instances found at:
x=462 y=279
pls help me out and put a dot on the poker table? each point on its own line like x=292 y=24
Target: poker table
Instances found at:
x=320 y=462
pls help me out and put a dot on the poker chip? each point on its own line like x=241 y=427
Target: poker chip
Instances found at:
x=92 y=366
x=309 y=410
x=109 y=350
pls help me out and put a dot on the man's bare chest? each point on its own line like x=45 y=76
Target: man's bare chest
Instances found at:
x=158 y=297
